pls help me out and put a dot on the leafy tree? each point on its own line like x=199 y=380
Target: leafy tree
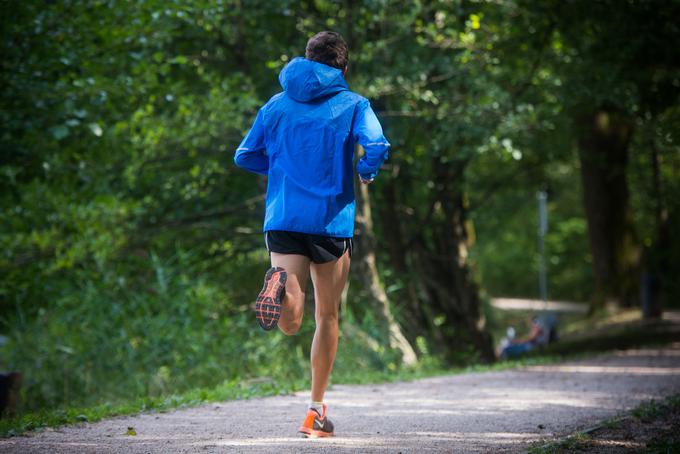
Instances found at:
x=618 y=66
x=131 y=245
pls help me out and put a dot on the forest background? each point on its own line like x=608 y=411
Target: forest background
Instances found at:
x=131 y=246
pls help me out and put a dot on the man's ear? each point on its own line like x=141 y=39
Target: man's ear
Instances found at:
x=344 y=70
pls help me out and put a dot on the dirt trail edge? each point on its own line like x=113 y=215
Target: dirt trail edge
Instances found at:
x=478 y=412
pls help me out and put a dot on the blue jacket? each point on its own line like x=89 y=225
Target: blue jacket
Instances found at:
x=304 y=140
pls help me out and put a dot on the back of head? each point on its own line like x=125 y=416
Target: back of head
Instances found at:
x=328 y=48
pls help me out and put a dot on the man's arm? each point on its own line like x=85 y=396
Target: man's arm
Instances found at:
x=251 y=154
x=534 y=334
x=369 y=134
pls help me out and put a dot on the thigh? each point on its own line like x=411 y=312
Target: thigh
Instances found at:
x=516 y=350
x=297 y=270
x=329 y=281
x=323 y=249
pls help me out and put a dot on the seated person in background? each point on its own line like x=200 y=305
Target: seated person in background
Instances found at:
x=539 y=335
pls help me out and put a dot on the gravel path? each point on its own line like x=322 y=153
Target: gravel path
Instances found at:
x=477 y=412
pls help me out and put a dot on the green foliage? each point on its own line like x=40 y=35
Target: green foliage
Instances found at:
x=506 y=232
x=129 y=243
x=101 y=342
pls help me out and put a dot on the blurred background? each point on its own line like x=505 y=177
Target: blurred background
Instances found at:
x=131 y=247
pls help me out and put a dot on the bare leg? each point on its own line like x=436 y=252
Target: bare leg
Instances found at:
x=329 y=281
x=292 y=309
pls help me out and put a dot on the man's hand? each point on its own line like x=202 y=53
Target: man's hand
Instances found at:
x=365 y=181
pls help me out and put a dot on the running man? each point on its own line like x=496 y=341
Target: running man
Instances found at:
x=303 y=139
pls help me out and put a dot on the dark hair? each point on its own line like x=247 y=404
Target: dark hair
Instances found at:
x=328 y=48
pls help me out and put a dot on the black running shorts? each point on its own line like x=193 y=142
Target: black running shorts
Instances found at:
x=319 y=249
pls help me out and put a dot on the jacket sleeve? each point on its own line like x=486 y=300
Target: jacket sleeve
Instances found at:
x=251 y=154
x=369 y=134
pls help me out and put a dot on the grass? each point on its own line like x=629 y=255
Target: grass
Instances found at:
x=60 y=417
x=574 y=442
x=500 y=320
x=654 y=415
x=619 y=336
x=654 y=409
x=622 y=329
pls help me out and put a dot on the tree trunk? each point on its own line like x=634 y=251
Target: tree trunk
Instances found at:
x=603 y=151
x=368 y=275
x=441 y=250
x=395 y=240
x=656 y=259
x=431 y=252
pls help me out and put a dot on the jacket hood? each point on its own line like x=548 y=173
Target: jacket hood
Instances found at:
x=305 y=80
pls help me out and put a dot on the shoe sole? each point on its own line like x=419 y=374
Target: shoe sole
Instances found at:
x=268 y=303
x=310 y=433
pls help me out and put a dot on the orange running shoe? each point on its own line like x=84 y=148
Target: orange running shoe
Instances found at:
x=268 y=303
x=316 y=425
